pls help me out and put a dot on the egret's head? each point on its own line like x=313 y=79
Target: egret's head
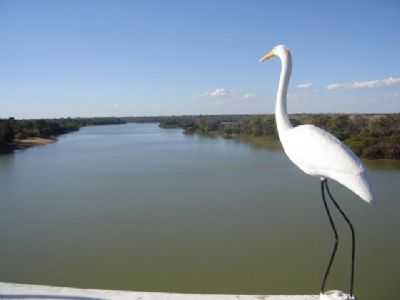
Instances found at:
x=279 y=51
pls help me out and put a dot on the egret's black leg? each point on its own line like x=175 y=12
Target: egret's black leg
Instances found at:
x=335 y=246
x=353 y=238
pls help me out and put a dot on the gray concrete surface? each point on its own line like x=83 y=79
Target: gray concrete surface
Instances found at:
x=29 y=291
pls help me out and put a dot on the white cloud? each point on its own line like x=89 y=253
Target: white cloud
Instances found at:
x=376 y=83
x=229 y=94
x=220 y=92
x=248 y=96
x=335 y=86
x=305 y=85
x=365 y=84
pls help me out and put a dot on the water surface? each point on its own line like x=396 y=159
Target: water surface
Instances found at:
x=137 y=207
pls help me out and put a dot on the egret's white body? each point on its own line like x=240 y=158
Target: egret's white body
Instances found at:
x=315 y=151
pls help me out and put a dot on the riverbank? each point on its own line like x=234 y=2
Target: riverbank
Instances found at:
x=33 y=141
x=25 y=143
x=20 y=134
x=370 y=136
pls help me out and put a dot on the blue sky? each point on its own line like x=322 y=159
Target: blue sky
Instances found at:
x=120 y=58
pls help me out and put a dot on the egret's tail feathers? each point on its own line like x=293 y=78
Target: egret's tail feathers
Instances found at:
x=357 y=183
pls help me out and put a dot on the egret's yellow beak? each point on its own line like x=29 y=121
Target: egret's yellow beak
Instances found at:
x=267 y=56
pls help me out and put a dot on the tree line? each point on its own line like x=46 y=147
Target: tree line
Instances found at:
x=12 y=130
x=371 y=136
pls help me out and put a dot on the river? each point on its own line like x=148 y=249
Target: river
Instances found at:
x=142 y=208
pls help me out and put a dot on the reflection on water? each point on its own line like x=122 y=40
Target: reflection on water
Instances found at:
x=383 y=164
x=142 y=208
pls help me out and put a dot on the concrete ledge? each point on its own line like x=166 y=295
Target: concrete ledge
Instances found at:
x=29 y=291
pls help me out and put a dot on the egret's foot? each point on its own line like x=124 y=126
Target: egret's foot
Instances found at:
x=335 y=295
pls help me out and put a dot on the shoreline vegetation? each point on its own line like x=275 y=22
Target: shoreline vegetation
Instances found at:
x=21 y=134
x=370 y=136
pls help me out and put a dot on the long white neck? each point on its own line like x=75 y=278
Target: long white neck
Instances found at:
x=281 y=115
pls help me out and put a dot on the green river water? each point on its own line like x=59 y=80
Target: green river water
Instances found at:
x=142 y=208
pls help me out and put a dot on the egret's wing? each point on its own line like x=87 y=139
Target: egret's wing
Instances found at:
x=317 y=151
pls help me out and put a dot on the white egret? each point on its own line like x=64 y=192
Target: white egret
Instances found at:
x=318 y=153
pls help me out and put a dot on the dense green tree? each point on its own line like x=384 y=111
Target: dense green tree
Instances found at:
x=369 y=136
x=11 y=131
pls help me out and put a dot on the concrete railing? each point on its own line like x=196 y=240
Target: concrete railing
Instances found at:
x=29 y=291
